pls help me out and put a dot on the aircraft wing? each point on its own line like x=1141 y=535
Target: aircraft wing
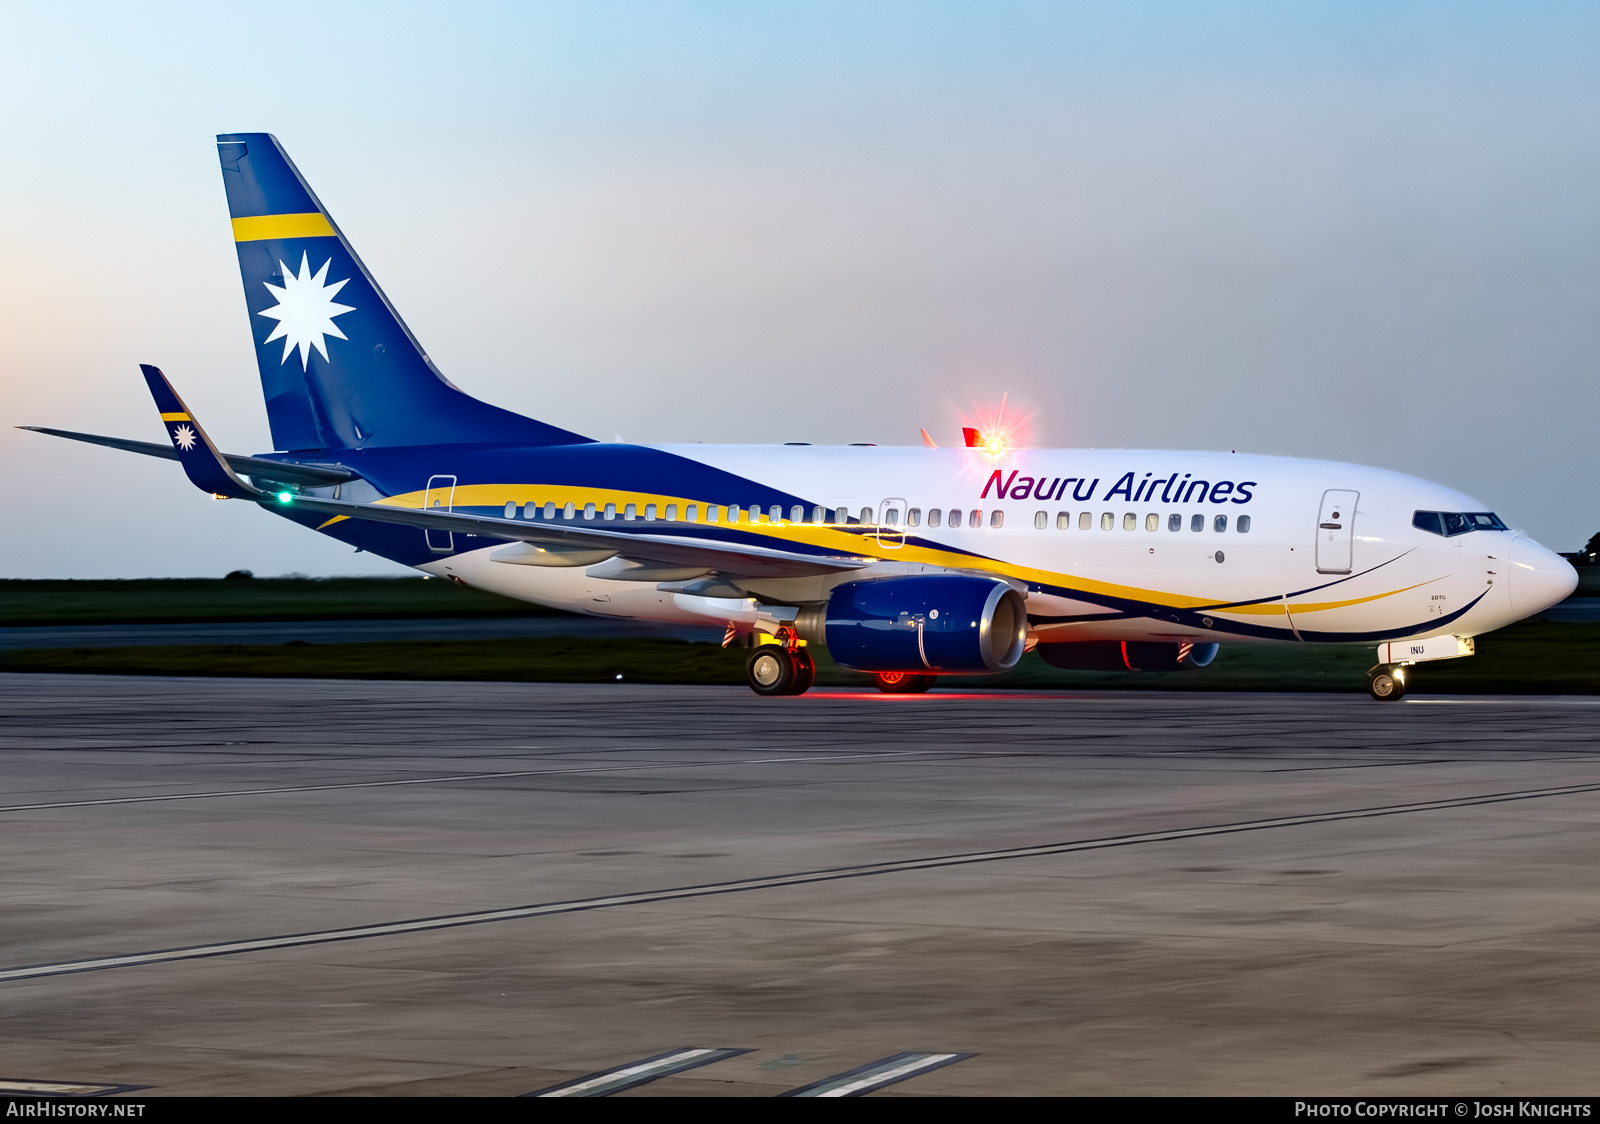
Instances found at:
x=247 y=466
x=733 y=559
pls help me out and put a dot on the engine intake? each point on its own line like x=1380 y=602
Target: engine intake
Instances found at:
x=945 y=623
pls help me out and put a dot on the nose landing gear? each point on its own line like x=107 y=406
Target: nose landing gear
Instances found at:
x=1388 y=684
x=781 y=668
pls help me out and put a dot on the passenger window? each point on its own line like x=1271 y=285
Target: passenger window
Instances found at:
x=611 y=511
x=630 y=512
x=1041 y=519
x=671 y=513
x=588 y=511
x=817 y=515
x=797 y=514
x=1063 y=520
x=955 y=517
x=1242 y=525
x=1197 y=523
x=1107 y=521
x=997 y=518
x=975 y=519
x=550 y=510
x=1152 y=522
x=1174 y=522
x=1219 y=524
x=914 y=517
x=713 y=513
x=775 y=513
x=1130 y=521
x=935 y=516
x=1084 y=520
x=866 y=515
x=755 y=513
x=649 y=513
x=511 y=509
x=569 y=511
x=691 y=513
x=891 y=516
x=530 y=509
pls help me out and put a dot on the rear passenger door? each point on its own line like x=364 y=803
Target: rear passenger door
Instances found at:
x=1336 y=531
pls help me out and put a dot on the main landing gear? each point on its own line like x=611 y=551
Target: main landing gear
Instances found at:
x=1388 y=683
x=904 y=682
x=782 y=668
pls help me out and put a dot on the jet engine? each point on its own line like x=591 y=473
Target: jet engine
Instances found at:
x=944 y=623
x=1127 y=655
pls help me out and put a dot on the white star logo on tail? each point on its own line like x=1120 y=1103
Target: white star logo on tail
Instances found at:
x=183 y=436
x=305 y=311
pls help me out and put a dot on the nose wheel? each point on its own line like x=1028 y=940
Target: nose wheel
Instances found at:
x=1388 y=684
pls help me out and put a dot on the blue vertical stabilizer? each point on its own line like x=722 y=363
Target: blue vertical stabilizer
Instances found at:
x=338 y=366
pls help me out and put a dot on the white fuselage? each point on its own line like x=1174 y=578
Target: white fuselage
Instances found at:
x=1125 y=536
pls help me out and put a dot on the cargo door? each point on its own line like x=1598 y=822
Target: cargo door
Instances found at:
x=440 y=495
x=1336 y=531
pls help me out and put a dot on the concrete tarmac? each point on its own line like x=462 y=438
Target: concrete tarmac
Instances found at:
x=489 y=889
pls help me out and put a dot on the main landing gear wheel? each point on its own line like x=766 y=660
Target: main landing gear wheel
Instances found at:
x=776 y=670
x=1387 y=684
x=805 y=672
x=904 y=682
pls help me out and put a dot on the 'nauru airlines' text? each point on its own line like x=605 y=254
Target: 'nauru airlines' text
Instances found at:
x=1173 y=488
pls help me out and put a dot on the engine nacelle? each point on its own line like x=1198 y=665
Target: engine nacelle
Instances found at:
x=943 y=623
x=1127 y=655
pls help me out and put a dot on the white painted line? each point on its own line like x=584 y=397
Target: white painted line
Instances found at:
x=609 y=1081
x=462 y=777
x=1508 y=700
x=797 y=878
x=875 y=1075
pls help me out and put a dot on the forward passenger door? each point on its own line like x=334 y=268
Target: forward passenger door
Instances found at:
x=1336 y=531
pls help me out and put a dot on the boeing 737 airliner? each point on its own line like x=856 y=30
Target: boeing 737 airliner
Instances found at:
x=910 y=563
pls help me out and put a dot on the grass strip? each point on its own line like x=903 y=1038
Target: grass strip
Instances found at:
x=203 y=600
x=1535 y=657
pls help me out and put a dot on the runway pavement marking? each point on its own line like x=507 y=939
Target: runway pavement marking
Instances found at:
x=61 y=1088
x=776 y=881
x=875 y=1075
x=467 y=777
x=609 y=1081
x=1548 y=700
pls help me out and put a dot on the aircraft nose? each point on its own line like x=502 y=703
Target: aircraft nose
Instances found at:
x=1538 y=577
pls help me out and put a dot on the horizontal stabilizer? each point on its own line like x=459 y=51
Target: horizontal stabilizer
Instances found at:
x=247 y=466
x=734 y=559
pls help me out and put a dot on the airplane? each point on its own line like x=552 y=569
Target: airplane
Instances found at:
x=911 y=564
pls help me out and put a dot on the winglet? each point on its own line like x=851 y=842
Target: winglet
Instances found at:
x=928 y=441
x=200 y=459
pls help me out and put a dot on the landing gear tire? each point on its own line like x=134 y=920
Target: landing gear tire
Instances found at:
x=770 y=670
x=1387 y=685
x=805 y=672
x=904 y=682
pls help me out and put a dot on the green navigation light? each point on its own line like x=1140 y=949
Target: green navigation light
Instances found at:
x=285 y=497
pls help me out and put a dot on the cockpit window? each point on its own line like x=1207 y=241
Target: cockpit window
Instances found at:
x=1452 y=523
